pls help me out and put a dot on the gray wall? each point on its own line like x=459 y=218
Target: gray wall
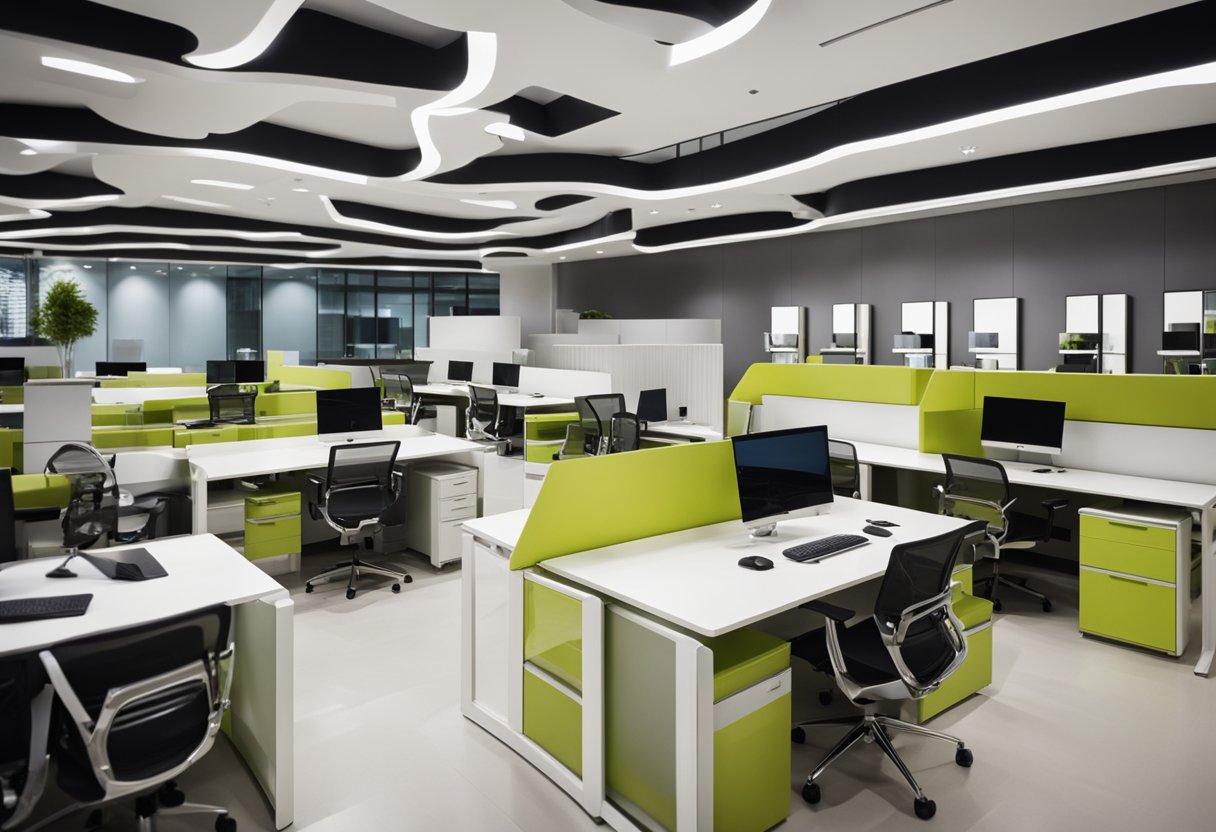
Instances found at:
x=289 y=311
x=139 y=308
x=1139 y=242
x=198 y=308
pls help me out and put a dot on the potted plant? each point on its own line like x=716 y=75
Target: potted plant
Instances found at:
x=593 y=315
x=63 y=318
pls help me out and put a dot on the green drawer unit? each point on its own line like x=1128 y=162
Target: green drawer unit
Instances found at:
x=205 y=436
x=274 y=504
x=106 y=438
x=976 y=671
x=553 y=633
x=272 y=524
x=1128 y=558
x=1127 y=531
x=1128 y=609
x=553 y=719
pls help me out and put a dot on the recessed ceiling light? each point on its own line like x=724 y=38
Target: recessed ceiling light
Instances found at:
x=179 y=268
x=29 y=151
x=562 y=257
x=654 y=210
x=716 y=205
x=188 y=201
x=220 y=183
x=967 y=149
x=92 y=70
x=752 y=92
x=692 y=210
x=599 y=251
x=507 y=131
x=87 y=266
x=132 y=268
x=300 y=190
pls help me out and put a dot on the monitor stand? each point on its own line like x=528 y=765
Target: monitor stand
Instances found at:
x=765 y=532
x=1034 y=458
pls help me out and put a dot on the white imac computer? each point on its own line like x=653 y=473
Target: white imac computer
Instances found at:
x=1031 y=426
x=782 y=474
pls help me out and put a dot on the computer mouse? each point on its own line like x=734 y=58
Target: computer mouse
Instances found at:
x=757 y=562
x=877 y=531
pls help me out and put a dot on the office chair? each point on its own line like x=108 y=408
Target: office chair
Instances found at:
x=911 y=643
x=978 y=488
x=360 y=486
x=846 y=473
x=94 y=509
x=409 y=402
x=595 y=415
x=625 y=433
x=228 y=404
x=25 y=716
x=487 y=419
x=136 y=708
x=8 y=517
x=574 y=443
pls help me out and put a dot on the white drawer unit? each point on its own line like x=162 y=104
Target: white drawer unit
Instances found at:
x=441 y=496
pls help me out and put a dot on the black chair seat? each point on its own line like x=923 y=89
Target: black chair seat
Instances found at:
x=867 y=657
x=1023 y=527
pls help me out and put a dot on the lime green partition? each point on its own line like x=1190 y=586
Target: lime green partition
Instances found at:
x=40 y=491
x=274 y=363
x=850 y=382
x=165 y=411
x=314 y=377
x=12 y=395
x=286 y=404
x=949 y=422
x=137 y=379
x=116 y=415
x=651 y=492
x=134 y=437
x=11 y=447
x=43 y=371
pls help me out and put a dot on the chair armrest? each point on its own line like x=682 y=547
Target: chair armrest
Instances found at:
x=318 y=484
x=1055 y=503
x=829 y=610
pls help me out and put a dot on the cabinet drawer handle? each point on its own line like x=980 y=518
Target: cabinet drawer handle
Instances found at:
x=261 y=521
x=1128 y=580
x=1128 y=526
x=266 y=501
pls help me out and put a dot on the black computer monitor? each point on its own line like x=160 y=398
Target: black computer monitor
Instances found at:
x=460 y=371
x=782 y=474
x=1022 y=425
x=12 y=372
x=652 y=405
x=250 y=372
x=120 y=368
x=347 y=411
x=221 y=372
x=505 y=375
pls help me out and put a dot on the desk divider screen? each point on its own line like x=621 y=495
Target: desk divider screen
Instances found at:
x=312 y=377
x=859 y=383
x=599 y=501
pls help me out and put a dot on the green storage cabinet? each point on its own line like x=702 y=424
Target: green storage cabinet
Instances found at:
x=544 y=434
x=272 y=524
x=204 y=436
x=553 y=719
x=1135 y=575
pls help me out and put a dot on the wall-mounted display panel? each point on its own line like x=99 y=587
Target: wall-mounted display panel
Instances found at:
x=993 y=338
x=1184 y=347
x=785 y=342
x=924 y=334
x=852 y=326
x=1096 y=337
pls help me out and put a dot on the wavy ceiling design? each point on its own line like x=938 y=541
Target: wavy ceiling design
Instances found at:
x=462 y=130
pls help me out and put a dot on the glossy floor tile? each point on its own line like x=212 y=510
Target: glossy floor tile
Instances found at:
x=1074 y=733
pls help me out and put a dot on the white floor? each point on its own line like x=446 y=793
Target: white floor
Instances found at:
x=1074 y=734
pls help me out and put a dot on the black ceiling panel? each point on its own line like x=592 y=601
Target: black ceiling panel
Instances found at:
x=132 y=237
x=562 y=115
x=50 y=185
x=713 y=12
x=419 y=222
x=179 y=256
x=684 y=232
x=614 y=222
x=102 y=27
x=559 y=201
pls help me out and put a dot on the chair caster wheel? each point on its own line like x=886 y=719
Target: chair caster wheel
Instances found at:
x=225 y=823
x=996 y=605
x=396 y=588
x=170 y=795
x=408 y=579
x=350 y=593
x=797 y=735
x=1046 y=606
x=811 y=793
x=924 y=807
x=964 y=757
x=308 y=589
x=825 y=698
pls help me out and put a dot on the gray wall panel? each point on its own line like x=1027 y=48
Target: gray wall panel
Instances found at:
x=896 y=266
x=974 y=256
x=825 y=269
x=138 y=307
x=1190 y=236
x=198 y=309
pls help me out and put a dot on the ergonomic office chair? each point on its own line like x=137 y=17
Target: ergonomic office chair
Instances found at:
x=625 y=433
x=595 y=415
x=25 y=717
x=487 y=419
x=978 y=488
x=400 y=388
x=360 y=486
x=905 y=650
x=573 y=445
x=846 y=473
x=94 y=509
x=136 y=708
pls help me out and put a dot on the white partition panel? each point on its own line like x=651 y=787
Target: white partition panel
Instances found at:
x=139 y=395
x=691 y=373
x=483 y=362
x=563 y=383
x=542 y=344
x=55 y=413
x=485 y=333
x=1184 y=454
x=360 y=375
x=653 y=330
x=884 y=424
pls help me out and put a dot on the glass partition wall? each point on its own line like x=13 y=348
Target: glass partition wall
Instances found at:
x=183 y=314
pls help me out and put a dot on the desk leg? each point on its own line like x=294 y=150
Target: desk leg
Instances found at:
x=198 y=500
x=263 y=703
x=1207 y=596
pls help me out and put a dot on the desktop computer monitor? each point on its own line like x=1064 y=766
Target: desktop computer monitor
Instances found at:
x=120 y=368
x=652 y=405
x=221 y=372
x=348 y=411
x=460 y=371
x=1022 y=425
x=12 y=372
x=249 y=372
x=505 y=375
x=782 y=474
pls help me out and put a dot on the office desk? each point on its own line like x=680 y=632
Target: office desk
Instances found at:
x=681 y=431
x=1195 y=497
x=303 y=453
x=203 y=572
x=524 y=401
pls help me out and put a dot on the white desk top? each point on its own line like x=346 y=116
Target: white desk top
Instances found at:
x=1168 y=492
x=692 y=578
x=503 y=529
x=203 y=572
x=684 y=430
x=227 y=460
x=523 y=399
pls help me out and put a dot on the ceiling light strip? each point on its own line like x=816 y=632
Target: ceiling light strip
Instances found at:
x=721 y=36
x=885 y=21
x=88 y=230
x=91 y=70
x=255 y=42
x=400 y=231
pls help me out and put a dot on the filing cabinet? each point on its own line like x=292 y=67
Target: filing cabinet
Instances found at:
x=441 y=496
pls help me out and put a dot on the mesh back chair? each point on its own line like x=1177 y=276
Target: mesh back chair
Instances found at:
x=595 y=415
x=26 y=701
x=360 y=486
x=978 y=488
x=487 y=419
x=911 y=643
x=228 y=404
x=93 y=510
x=846 y=473
x=400 y=388
x=574 y=444
x=136 y=708
x=625 y=433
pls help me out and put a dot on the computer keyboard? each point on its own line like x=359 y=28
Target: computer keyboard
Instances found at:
x=51 y=606
x=824 y=547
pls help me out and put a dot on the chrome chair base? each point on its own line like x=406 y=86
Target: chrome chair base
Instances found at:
x=996 y=579
x=353 y=570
